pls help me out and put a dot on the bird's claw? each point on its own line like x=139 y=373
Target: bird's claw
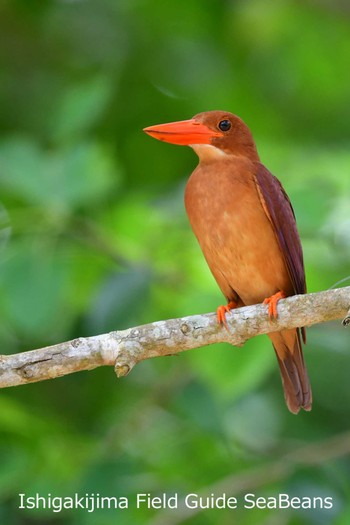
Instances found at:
x=221 y=312
x=272 y=304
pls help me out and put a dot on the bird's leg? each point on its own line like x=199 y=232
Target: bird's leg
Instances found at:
x=272 y=303
x=222 y=310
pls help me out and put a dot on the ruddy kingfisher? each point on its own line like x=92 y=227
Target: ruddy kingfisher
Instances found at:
x=246 y=228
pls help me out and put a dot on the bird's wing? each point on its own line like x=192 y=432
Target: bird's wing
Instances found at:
x=279 y=211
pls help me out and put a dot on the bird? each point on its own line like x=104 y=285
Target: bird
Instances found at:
x=246 y=227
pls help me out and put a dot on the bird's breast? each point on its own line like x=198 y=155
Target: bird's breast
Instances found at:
x=234 y=232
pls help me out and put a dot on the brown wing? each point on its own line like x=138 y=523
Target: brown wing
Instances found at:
x=278 y=208
x=287 y=344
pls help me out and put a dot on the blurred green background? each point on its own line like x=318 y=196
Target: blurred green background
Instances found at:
x=94 y=237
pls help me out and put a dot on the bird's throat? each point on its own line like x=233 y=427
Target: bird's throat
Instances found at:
x=209 y=153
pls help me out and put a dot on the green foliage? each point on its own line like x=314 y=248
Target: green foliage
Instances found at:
x=93 y=237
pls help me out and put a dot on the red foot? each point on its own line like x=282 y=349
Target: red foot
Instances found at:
x=222 y=310
x=272 y=303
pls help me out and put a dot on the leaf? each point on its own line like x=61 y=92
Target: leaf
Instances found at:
x=62 y=179
x=34 y=279
x=233 y=371
x=81 y=107
x=120 y=297
x=254 y=421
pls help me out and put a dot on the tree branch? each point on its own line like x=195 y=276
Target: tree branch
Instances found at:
x=125 y=348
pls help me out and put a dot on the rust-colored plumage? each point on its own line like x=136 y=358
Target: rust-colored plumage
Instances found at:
x=245 y=225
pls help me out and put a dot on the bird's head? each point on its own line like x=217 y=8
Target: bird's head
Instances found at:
x=210 y=134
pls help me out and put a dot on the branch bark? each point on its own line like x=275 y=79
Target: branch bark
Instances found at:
x=123 y=349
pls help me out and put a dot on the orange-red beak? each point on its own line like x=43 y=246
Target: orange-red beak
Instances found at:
x=184 y=132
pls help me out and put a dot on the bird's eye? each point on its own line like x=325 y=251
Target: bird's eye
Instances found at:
x=225 y=125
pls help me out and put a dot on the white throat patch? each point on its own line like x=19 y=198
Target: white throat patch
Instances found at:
x=208 y=152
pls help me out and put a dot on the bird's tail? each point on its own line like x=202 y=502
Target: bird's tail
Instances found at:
x=296 y=384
